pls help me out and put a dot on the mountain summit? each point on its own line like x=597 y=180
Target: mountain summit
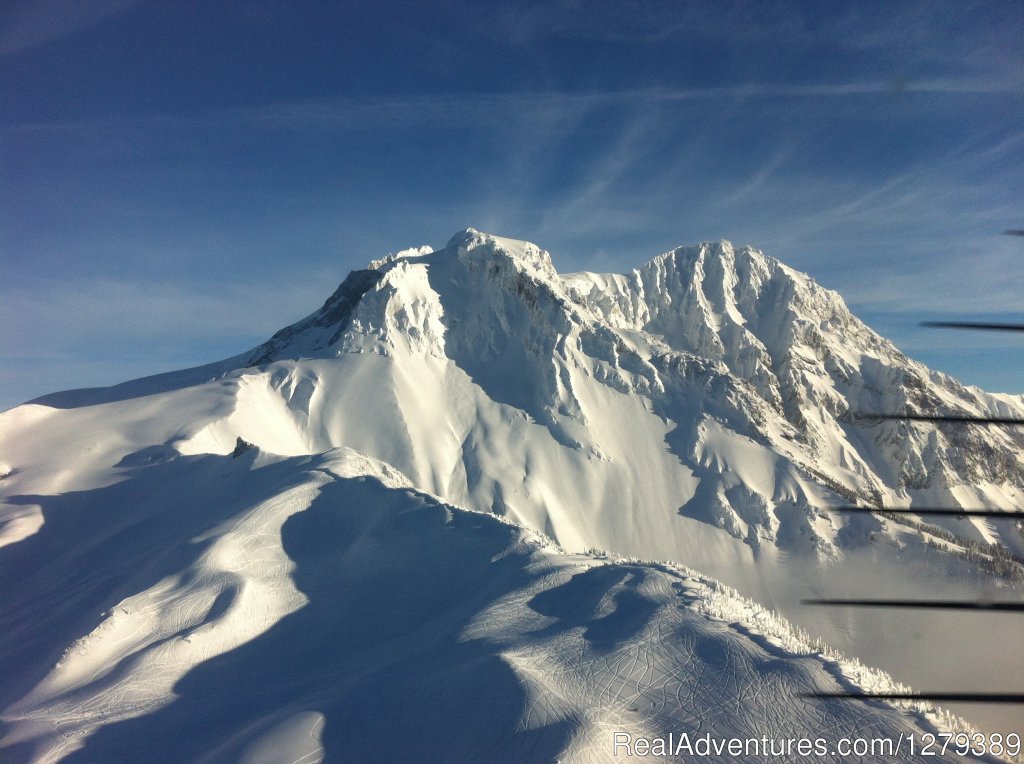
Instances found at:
x=709 y=409
x=713 y=383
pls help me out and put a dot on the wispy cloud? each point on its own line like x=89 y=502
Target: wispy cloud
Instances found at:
x=160 y=312
x=760 y=179
x=102 y=331
x=592 y=187
x=906 y=37
x=496 y=109
x=24 y=24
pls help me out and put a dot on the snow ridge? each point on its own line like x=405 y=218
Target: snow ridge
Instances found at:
x=704 y=409
x=702 y=332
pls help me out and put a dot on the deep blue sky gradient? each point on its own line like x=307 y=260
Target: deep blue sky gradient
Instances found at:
x=180 y=179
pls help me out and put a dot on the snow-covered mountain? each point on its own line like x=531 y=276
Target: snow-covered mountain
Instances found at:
x=706 y=410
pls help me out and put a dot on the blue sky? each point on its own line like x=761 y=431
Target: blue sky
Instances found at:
x=180 y=179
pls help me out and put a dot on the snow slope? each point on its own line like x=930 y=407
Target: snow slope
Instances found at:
x=260 y=608
x=704 y=409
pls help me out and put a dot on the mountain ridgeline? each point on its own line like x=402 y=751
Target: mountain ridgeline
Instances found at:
x=750 y=387
x=442 y=493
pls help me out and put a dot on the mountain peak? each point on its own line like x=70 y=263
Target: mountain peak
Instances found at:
x=700 y=408
x=474 y=247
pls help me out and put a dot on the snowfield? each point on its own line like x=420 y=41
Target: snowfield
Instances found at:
x=262 y=608
x=406 y=564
